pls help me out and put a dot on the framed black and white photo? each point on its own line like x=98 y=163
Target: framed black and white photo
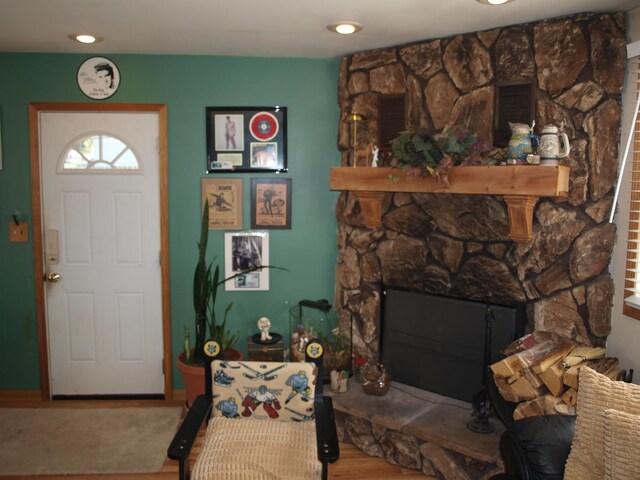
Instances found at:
x=243 y=139
x=98 y=78
x=244 y=251
x=271 y=203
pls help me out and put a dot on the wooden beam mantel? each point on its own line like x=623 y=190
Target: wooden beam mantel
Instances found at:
x=520 y=185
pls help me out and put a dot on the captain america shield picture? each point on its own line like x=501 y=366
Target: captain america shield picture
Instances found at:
x=264 y=126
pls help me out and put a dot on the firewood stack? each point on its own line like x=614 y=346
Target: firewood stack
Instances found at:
x=540 y=373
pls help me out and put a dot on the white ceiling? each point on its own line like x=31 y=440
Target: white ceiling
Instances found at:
x=266 y=28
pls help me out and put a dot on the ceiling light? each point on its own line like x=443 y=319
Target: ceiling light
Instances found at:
x=84 y=38
x=345 y=28
x=495 y=2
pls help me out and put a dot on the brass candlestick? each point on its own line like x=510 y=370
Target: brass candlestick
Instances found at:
x=354 y=118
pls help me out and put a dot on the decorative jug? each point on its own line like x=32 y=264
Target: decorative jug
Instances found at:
x=522 y=141
x=549 y=149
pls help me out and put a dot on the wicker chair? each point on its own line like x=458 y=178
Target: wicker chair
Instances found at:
x=270 y=421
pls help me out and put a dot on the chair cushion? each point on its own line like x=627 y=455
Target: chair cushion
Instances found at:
x=621 y=440
x=596 y=393
x=253 y=449
x=263 y=390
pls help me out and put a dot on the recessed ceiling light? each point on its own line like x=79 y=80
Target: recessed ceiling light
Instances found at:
x=85 y=38
x=345 y=28
x=495 y=2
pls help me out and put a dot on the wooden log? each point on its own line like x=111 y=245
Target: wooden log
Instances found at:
x=525 y=388
x=553 y=356
x=505 y=390
x=601 y=365
x=552 y=378
x=544 y=405
x=570 y=397
x=509 y=366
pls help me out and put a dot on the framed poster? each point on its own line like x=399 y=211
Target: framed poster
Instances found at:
x=271 y=203
x=225 y=202
x=244 y=251
x=242 y=139
x=98 y=78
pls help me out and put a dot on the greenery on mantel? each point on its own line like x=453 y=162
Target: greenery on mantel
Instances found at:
x=418 y=152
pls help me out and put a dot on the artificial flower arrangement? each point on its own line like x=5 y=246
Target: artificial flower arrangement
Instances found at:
x=418 y=152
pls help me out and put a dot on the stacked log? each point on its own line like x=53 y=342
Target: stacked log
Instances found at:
x=540 y=373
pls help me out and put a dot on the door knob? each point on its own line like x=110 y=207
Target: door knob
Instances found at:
x=53 y=277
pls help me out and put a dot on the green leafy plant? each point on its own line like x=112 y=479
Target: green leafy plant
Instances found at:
x=418 y=152
x=206 y=280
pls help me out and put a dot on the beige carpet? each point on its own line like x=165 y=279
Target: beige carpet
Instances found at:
x=39 y=441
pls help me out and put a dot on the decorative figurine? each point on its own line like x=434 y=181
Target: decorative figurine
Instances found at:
x=264 y=325
x=265 y=337
x=339 y=381
x=374 y=151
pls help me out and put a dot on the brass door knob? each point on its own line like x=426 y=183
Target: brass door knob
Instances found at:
x=53 y=277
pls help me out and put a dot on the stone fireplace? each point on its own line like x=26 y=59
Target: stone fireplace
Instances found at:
x=458 y=245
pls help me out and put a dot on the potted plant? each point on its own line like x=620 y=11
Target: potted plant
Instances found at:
x=206 y=280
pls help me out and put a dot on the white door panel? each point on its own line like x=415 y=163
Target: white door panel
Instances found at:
x=104 y=314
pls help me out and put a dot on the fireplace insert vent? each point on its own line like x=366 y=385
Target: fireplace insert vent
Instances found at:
x=436 y=343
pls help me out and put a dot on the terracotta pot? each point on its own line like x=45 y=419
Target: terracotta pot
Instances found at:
x=193 y=375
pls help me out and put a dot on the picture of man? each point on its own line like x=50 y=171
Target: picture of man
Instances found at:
x=104 y=72
x=229 y=132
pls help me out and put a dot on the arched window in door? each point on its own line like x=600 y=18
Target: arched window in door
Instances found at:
x=99 y=153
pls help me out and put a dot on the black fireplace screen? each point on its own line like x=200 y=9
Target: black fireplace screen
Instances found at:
x=436 y=343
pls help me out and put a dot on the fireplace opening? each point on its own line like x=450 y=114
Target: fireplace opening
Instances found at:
x=436 y=343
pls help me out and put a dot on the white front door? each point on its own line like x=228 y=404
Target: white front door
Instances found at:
x=101 y=233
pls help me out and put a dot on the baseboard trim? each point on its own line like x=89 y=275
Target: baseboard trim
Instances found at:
x=20 y=394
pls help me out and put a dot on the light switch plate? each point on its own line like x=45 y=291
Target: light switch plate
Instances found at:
x=18 y=233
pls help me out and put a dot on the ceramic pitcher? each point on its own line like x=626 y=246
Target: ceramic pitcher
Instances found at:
x=522 y=141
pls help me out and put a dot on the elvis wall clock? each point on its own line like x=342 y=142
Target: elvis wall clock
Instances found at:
x=98 y=78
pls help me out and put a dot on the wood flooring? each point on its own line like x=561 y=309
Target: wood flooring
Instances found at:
x=352 y=465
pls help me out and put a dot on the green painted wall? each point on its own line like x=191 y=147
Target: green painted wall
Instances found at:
x=187 y=84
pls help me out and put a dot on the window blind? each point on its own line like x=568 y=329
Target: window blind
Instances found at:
x=632 y=272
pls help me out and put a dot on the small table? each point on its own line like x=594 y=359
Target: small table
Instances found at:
x=272 y=351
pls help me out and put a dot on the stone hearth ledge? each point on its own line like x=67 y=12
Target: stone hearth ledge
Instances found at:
x=423 y=415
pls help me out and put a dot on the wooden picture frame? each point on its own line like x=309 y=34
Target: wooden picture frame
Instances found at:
x=242 y=251
x=225 y=202
x=246 y=139
x=271 y=203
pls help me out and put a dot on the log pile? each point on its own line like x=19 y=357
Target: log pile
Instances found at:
x=540 y=373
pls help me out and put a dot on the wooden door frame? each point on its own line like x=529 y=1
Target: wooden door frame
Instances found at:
x=36 y=209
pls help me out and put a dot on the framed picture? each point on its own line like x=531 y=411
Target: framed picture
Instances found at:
x=243 y=251
x=243 y=139
x=225 y=202
x=271 y=203
x=98 y=78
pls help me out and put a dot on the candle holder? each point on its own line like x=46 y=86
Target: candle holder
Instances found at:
x=354 y=118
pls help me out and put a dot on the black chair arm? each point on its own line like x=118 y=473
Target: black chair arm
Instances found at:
x=538 y=447
x=184 y=438
x=326 y=434
x=514 y=456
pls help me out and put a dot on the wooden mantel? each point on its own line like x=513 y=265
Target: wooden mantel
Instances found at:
x=520 y=185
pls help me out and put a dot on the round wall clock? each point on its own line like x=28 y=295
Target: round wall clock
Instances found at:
x=98 y=78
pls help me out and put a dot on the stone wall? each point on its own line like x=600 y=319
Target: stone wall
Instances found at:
x=458 y=245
